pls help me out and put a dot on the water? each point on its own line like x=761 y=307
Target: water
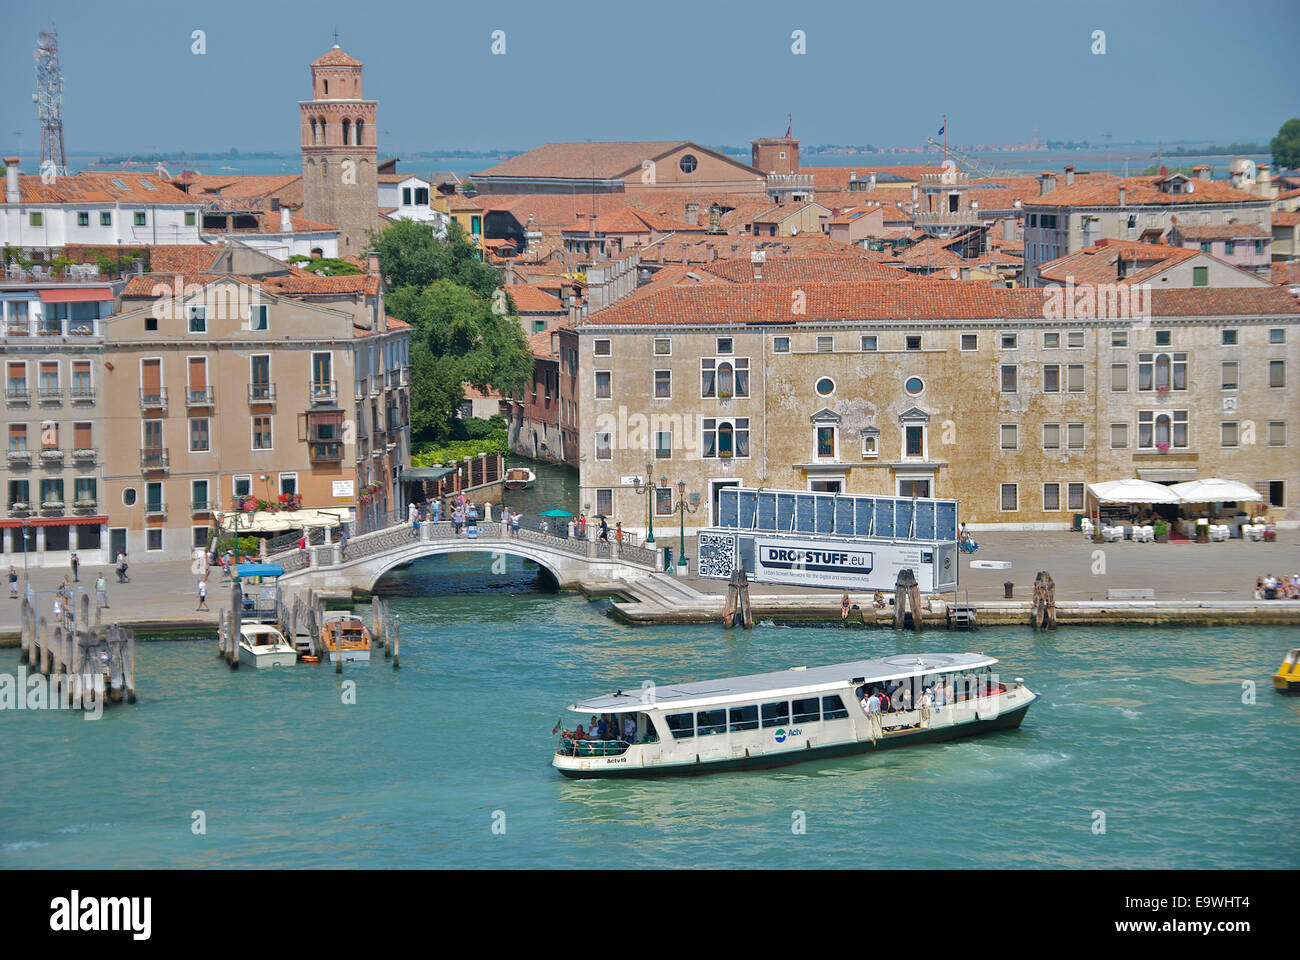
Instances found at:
x=1144 y=725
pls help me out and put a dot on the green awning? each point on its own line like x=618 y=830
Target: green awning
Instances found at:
x=426 y=473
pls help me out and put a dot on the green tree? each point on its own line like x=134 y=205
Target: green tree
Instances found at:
x=411 y=255
x=436 y=393
x=1286 y=145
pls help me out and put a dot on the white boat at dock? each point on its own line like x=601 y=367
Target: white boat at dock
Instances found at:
x=804 y=713
x=262 y=645
x=519 y=478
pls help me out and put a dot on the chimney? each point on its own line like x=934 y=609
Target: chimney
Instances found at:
x=1046 y=183
x=1121 y=195
x=693 y=214
x=286 y=224
x=1069 y=174
x=715 y=219
x=1264 y=181
x=1203 y=171
x=12 y=194
x=1008 y=231
x=965 y=273
x=871 y=184
x=372 y=263
x=915 y=194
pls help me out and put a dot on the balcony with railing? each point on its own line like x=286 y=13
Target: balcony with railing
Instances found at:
x=82 y=394
x=153 y=459
x=20 y=457
x=85 y=504
x=155 y=510
x=154 y=399
x=363 y=448
x=51 y=456
x=20 y=508
x=404 y=376
x=201 y=505
x=37 y=330
x=49 y=394
x=323 y=392
x=51 y=507
x=16 y=394
x=86 y=455
x=261 y=393
x=199 y=397
x=362 y=388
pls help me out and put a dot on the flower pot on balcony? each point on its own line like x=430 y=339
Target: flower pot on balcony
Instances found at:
x=1162 y=447
x=51 y=504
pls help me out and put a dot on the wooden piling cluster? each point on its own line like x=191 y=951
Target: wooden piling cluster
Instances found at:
x=738 y=608
x=87 y=664
x=385 y=630
x=907 y=593
x=228 y=623
x=1044 y=615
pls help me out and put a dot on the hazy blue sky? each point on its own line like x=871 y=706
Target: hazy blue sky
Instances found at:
x=714 y=71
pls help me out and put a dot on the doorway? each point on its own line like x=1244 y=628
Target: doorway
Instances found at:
x=715 y=488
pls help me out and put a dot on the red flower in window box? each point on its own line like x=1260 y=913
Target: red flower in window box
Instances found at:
x=1163 y=446
x=1163 y=388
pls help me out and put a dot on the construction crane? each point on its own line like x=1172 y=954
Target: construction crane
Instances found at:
x=973 y=167
x=49 y=104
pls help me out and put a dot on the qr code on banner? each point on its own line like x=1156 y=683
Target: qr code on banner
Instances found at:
x=717 y=551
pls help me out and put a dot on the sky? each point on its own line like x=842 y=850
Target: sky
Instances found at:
x=712 y=71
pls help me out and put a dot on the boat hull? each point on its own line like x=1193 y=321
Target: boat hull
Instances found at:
x=271 y=658
x=1007 y=720
x=350 y=656
x=1286 y=684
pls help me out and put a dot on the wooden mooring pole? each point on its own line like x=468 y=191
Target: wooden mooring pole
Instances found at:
x=907 y=592
x=397 y=639
x=1044 y=615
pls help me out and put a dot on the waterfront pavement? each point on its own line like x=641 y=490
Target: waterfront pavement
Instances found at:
x=165 y=593
x=1083 y=570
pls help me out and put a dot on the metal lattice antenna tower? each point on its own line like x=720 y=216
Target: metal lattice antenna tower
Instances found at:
x=49 y=103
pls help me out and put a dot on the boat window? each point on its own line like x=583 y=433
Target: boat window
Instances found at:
x=744 y=718
x=711 y=721
x=681 y=725
x=807 y=711
x=776 y=714
x=833 y=708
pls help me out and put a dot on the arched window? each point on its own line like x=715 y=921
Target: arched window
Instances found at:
x=360 y=127
x=726 y=380
x=347 y=132
x=327 y=88
x=1163 y=427
x=1162 y=371
x=726 y=438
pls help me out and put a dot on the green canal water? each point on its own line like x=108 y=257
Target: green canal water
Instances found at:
x=446 y=763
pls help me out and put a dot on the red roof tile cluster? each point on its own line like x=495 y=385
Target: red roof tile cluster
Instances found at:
x=1225 y=231
x=770 y=303
x=1102 y=191
x=103 y=187
x=532 y=298
x=1287 y=218
x=585 y=161
x=830 y=268
x=335 y=57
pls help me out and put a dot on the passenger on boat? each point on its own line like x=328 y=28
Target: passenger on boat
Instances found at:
x=629 y=728
x=926 y=701
x=886 y=703
x=596 y=729
x=940 y=695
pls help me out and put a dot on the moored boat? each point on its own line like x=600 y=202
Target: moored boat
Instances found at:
x=519 y=478
x=261 y=645
x=1287 y=678
x=804 y=713
x=344 y=634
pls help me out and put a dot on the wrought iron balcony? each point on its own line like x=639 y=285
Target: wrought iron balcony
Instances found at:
x=324 y=391
x=52 y=455
x=201 y=506
x=156 y=509
x=83 y=394
x=199 y=397
x=20 y=508
x=154 y=458
x=50 y=395
x=85 y=503
x=16 y=393
x=85 y=454
x=362 y=388
x=155 y=399
x=20 y=457
x=261 y=393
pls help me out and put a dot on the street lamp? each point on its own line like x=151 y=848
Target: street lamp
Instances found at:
x=682 y=509
x=649 y=486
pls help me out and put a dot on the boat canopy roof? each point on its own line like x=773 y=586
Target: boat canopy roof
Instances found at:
x=259 y=570
x=332 y=615
x=792 y=682
x=259 y=629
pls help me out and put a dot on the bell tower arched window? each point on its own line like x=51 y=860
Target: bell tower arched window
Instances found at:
x=360 y=127
x=347 y=131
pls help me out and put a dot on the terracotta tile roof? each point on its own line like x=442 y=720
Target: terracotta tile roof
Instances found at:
x=784 y=211
x=932 y=252
x=702 y=249
x=540 y=342
x=1103 y=191
x=1286 y=219
x=144 y=285
x=585 y=161
x=838 y=178
x=253 y=186
x=306 y=283
x=1226 y=231
x=103 y=187
x=628 y=220
x=532 y=298
x=335 y=57
x=184 y=257
x=1285 y=273
x=819 y=269
x=1099 y=262
x=769 y=303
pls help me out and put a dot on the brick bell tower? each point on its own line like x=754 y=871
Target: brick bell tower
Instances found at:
x=340 y=152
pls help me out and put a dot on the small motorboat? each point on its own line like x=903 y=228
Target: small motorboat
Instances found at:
x=519 y=478
x=261 y=645
x=344 y=634
x=1287 y=678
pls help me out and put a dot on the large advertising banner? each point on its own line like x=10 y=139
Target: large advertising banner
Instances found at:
x=832 y=562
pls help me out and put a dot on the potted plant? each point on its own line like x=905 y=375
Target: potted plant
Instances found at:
x=1163 y=388
x=1163 y=446
x=1161 y=530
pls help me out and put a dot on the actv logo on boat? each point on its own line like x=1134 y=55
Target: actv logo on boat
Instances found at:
x=782 y=733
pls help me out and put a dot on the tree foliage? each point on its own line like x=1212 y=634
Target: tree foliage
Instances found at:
x=464 y=331
x=1286 y=145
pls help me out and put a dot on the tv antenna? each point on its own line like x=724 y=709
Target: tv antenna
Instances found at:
x=49 y=103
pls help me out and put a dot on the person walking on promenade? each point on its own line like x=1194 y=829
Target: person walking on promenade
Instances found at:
x=514 y=524
x=13 y=582
x=203 y=595
x=435 y=511
x=604 y=531
x=582 y=526
x=343 y=544
x=101 y=591
x=618 y=533
x=75 y=565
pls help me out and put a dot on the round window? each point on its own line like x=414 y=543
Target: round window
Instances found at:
x=128 y=497
x=914 y=385
x=688 y=163
x=825 y=387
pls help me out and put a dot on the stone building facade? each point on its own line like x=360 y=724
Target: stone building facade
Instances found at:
x=950 y=389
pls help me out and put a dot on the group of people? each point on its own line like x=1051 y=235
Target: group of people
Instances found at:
x=604 y=727
x=897 y=696
x=1269 y=587
x=965 y=542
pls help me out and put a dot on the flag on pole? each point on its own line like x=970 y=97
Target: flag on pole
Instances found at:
x=942 y=128
x=789 y=130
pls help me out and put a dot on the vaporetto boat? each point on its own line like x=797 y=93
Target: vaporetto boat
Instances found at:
x=794 y=715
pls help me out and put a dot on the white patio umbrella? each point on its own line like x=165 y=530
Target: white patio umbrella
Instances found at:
x=1214 y=490
x=1133 y=490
